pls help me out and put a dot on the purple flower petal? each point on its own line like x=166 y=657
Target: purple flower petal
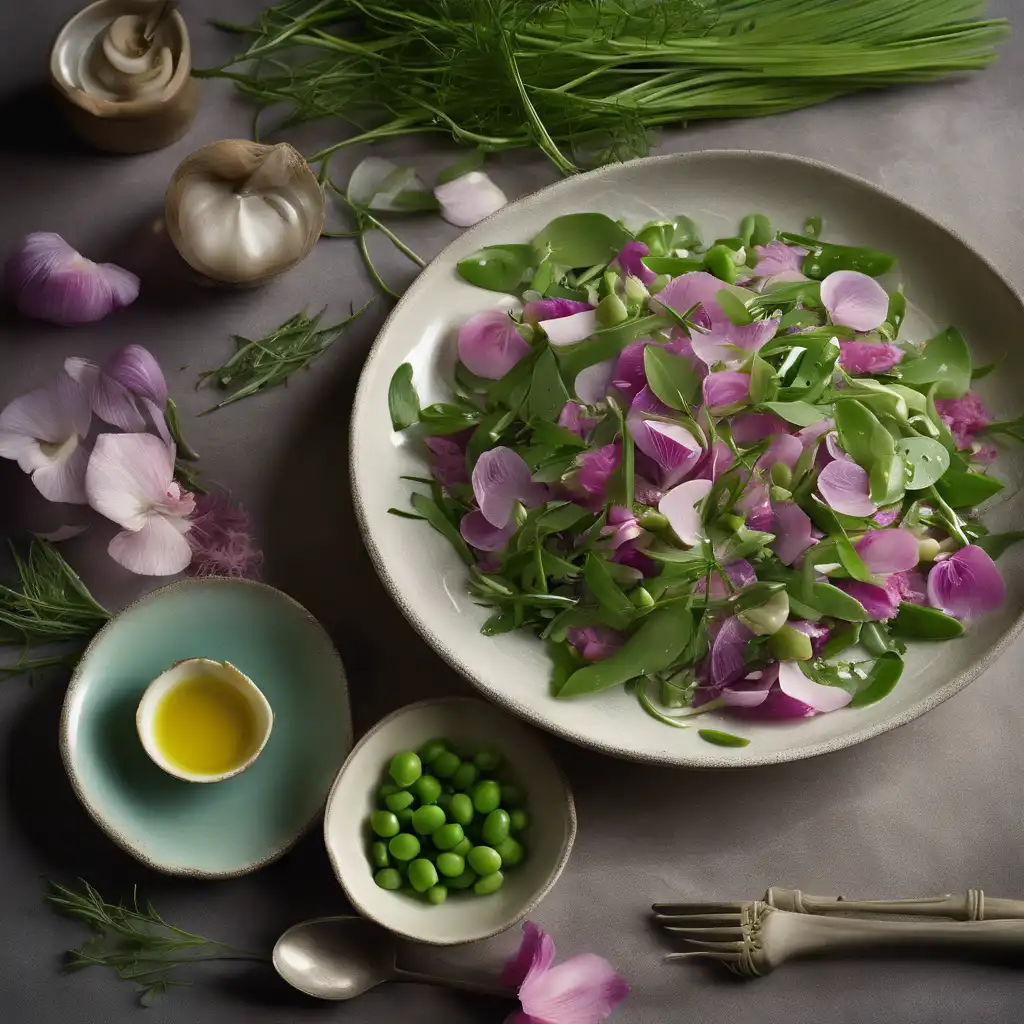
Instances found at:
x=741 y=574
x=809 y=435
x=715 y=461
x=669 y=445
x=597 y=467
x=792 y=528
x=964 y=416
x=630 y=259
x=844 y=486
x=536 y=954
x=725 y=388
x=776 y=258
x=553 y=309
x=490 y=344
x=500 y=479
x=448 y=462
x=592 y=383
x=681 y=506
x=858 y=357
x=595 y=642
x=785 y=449
x=568 y=330
x=888 y=551
x=966 y=584
x=478 y=533
x=795 y=684
x=834 y=449
x=749 y=692
x=886 y=517
x=727 y=649
x=881 y=603
x=854 y=300
x=910 y=586
x=583 y=990
x=571 y=417
x=756 y=426
x=136 y=369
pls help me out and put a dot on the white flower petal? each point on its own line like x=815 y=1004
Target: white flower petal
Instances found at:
x=469 y=199
x=128 y=475
x=63 y=477
x=157 y=549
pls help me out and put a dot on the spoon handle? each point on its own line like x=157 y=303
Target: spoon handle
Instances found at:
x=465 y=984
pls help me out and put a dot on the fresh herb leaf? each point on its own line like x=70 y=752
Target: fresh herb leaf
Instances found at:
x=581 y=240
x=944 y=361
x=722 y=739
x=499 y=268
x=433 y=514
x=548 y=394
x=672 y=378
x=403 y=402
x=915 y=622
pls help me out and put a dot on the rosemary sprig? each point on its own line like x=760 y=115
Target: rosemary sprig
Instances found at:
x=135 y=941
x=261 y=364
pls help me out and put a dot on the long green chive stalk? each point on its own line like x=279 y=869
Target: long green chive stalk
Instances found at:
x=586 y=80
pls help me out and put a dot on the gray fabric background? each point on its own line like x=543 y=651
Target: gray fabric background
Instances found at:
x=934 y=806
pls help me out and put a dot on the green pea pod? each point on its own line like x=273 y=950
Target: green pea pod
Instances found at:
x=657 y=235
x=842 y=639
x=605 y=590
x=825 y=599
x=674 y=266
x=756 y=229
x=874 y=639
x=499 y=268
x=789 y=644
x=897 y=311
x=687 y=233
x=656 y=644
x=916 y=622
x=880 y=681
x=722 y=739
x=824 y=259
x=719 y=260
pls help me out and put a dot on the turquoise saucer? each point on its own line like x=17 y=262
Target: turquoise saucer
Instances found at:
x=225 y=828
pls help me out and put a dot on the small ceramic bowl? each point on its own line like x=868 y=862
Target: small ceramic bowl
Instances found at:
x=181 y=672
x=464 y=917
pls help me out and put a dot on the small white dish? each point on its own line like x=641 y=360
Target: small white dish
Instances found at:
x=180 y=673
x=464 y=917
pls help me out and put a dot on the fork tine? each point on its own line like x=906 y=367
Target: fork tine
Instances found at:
x=717 y=947
x=702 y=921
x=713 y=934
x=700 y=908
x=726 y=958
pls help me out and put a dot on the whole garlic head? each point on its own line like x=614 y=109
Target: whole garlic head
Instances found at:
x=242 y=212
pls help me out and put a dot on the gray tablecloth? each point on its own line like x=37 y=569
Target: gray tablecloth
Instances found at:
x=934 y=806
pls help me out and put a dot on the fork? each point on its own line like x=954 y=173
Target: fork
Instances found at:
x=757 y=938
x=971 y=906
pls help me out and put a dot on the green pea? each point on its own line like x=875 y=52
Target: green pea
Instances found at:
x=422 y=874
x=388 y=878
x=447 y=837
x=427 y=819
x=511 y=852
x=511 y=796
x=463 y=848
x=496 y=827
x=399 y=801
x=463 y=881
x=486 y=796
x=405 y=768
x=437 y=894
x=404 y=817
x=487 y=760
x=379 y=855
x=461 y=809
x=427 y=789
x=446 y=765
x=432 y=750
x=484 y=860
x=518 y=820
x=489 y=883
x=384 y=823
x=404 y=847
x=451 y=864
x=465 y=776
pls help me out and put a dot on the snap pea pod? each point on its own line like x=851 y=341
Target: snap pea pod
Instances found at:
x=824 y=258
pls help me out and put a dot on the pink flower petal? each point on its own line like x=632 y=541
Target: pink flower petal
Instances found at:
x=756 y=426
x=670 y=445
x=809 y=435
x=220 y=536
x=479 y=534
x=964 y=416
x=785 y=449
x=156 y=548
x=592 y=383
x=448 y=461
x=854 y=300
x=833 y=448
x=776 y=258
x=681 y=507
x=888 y=551
x=536 y=954
x=595 y=642
x=688 y=290
x=128 y=476
x=597 y=467
x=792 y=527
x=910 y=586
x=571 y=417
x=725 y=388
x=727 y=342
x=752 y=690
x=553 y=309
x=880 y=602
x=630 y=258
x=741 y=574
x=966 y=584
x=844 y=486
x=500 y=479
x=469 y=199
x=715 y=461
x=490 y=344
x=795 y=684
x=63 y=479
x=727 y=649
x=858 y=357
x=583 y=990
x=568 y=330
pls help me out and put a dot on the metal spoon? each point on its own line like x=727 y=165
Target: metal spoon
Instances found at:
x=343 y=957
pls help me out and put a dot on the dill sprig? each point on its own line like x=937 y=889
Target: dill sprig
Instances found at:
x=135 y=941
x=586 y=81
x=261 y=364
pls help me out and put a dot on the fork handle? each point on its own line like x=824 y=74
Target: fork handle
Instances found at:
x=970 y=906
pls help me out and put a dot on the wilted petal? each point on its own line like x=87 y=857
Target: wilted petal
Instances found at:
x=725 y=388
x=845 y=488
x=880 y=603
x=630 y=258
x=681 y=506
x=966 y=584
x=583 y=990
x=592 y=383
x=858 y=357
x=793 y=528
x=480 y=534
x=795 y=684
x=964 y=416
x=776 y=258
x=568 y=330
x=536 y=954
x=490 y=344
x=888 y=551
x=128 y=475
x=854 y=300
x=157 y=548
x=469 y=199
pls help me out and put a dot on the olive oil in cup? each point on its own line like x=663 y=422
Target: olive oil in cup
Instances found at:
x=203 y=720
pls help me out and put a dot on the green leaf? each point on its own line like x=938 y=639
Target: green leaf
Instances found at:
x=967 y=489
x=445 y=418
x=841 y=639
x=548 y=394
x=499 y=268
x=996 y=543
x=815 y=370
x=403 y=403
x=605 y=590
x=762 y=379
x=926 y=461
x=825 y=599
x=672 y=378
x=440 y=522
x=983 y=371
x=945 y=360
x=383 y=187
x=655 y=645
x=734 y=307
x=559 y=437
x=471 y=161
x=581 y=240
x=559 y=516
x=887 y=478
x=605 y=344
x=803 y=414
x=880 y=681
x=861 y=435
x=722 y=739
x=897 y=311
x=916 y=622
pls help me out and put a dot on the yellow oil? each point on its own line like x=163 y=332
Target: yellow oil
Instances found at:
x=204 y=725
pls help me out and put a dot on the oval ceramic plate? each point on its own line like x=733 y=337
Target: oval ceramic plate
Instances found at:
x=225 y=828
x=946 y=282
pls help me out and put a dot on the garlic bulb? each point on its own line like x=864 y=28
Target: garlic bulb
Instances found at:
x=126 y=65
x=242 y=212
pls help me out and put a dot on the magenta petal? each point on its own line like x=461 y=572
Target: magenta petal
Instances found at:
x=966 y=584
x=552 y=309
x=854 y=300
x=536 y=954
x=741 y=574
x=964 y=416
x=814 y=631
x=888 y=551
x=881 y=603
x=784 y=448
x=597 y=467
x=845 y=488
x=777 y=258
x=857 y=357
x=571 y=417
x=688 y=290
x=500 y=479
x=792 y=529
x=448 y=462
x=725 y=388
x=630 y=376
x=490 y=345
x=583 y=990
x=727 y=650
x=595 y=642
x=672 y=447
x=715 y=461
x=756 y=426
x=795 y=684
x=910 y=586
x=480 y=534
x=681 y=507
x=630 y=258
